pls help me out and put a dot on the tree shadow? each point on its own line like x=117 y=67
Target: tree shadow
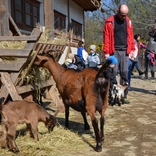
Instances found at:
x=141 y=90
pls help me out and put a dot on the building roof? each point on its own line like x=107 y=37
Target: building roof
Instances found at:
x=89 y=5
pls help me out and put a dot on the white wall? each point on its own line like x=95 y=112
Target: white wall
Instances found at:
x=76 y=12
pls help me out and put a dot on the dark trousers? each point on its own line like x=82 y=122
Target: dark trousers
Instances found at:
x=122 y=67
x=150 y=65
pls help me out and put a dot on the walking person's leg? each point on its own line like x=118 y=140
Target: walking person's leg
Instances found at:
x=130 y=63
x=123 y=67
x=137 y=64
x=132 y=68
x=151 y=66
x=146 y=66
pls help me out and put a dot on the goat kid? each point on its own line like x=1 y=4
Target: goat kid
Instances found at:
x=117 y=94
x=85 y=91
x=18 y=112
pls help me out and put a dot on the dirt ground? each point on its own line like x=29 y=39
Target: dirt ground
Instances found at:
x=130 y=130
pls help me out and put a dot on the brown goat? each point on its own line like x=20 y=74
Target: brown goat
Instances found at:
x=18 y=112
x=85 y=91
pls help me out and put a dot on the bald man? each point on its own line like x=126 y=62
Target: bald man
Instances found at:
x=119 y=41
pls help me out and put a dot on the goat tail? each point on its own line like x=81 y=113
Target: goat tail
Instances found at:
x=101 y=80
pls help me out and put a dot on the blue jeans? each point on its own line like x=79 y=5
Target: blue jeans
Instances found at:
x=148 y=64
x=130 y=64
x=137 y=65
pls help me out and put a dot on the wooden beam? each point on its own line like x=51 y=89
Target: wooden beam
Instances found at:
x=30 y=87
x=15 y=52
x=6 y=79
x=48 y=14
x=12 y=65
x=19 y=38
x=57 y=100
x=14 y=24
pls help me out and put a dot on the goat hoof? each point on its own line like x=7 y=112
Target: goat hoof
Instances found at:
x=4 y=146
x=98 y=148
x=15 y=150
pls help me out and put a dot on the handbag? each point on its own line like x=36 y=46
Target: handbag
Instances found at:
x=151 y=46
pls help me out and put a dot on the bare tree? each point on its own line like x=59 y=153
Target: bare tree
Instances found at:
x=141 y=12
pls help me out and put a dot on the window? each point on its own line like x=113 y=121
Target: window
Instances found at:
x=59 y=21
x=77 y=28
x=25 y=13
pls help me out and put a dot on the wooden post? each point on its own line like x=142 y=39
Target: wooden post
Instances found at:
x=49 y=17
x=4 y=22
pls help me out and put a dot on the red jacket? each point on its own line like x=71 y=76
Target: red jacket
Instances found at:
x=109 y=36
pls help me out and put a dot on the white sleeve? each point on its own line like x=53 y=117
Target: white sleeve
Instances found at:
x=84 y=55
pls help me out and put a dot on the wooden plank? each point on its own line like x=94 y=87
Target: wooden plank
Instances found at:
x=14 y=24
x=13 y=66
x=6 y=79
x=19 y=38
x=30 y=87
x=57 y=100
x=15 y=52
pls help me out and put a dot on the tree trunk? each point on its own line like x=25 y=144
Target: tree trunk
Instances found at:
x=4 y=22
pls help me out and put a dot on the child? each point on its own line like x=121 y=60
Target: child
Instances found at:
x=70 y=62
x=111 y=75
x=74 y=62
x=93 y=58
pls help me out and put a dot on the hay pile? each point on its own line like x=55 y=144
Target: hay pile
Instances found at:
x=60 y=142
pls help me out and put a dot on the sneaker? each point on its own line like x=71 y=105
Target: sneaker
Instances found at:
x=152 y=78
x=145 y=78
x=126 y=101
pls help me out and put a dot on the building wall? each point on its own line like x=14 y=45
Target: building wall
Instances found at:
x=41 y=13
x=76 y=12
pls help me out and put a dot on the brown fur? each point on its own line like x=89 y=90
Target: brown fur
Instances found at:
x=85 y=91
x=19 y=112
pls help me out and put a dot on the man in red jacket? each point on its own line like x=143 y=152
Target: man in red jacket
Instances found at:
x=119 y=41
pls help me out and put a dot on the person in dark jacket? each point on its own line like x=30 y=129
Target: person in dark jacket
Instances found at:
x=74 y=62
x=81 y=52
